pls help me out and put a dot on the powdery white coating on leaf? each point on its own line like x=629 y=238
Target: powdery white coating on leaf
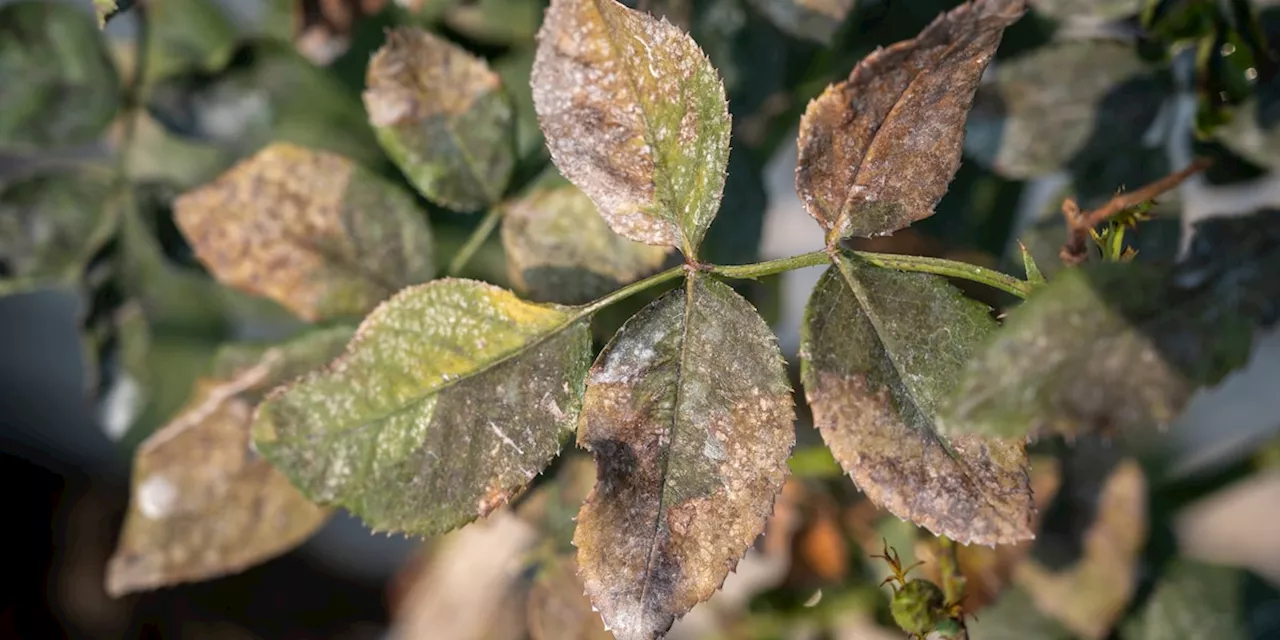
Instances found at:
x=880 y=349
x=878 y=150
x=444 y=118
x=451 y=398
x=689 y=415
x=308 y=229
x=635 y=116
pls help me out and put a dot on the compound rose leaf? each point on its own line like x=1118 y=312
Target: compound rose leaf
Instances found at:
x=878 y=150
x=204 y=504
x=689 y=415
x=451 y=397
x=634 y=115
x=879 y=351
x=443 y=117
x=308 y=229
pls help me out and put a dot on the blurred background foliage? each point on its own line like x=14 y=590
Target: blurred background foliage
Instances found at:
x=99 y=131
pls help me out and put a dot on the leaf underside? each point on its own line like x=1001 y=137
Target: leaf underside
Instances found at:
x=634 y=115
x=879 y=351
x=878 y=150
x=451 y=398
x=689 y=415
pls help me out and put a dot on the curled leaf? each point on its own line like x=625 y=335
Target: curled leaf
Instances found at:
x=204 y=504
x=560 y=249
x=689 y=415
x=878 y=150
x=450 y=399
x=879 y=351
x=308 y=229
x=444 y=118
x=634 y=115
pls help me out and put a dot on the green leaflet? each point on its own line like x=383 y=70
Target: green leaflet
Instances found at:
x=450 y=399
x=1015 y=617
x=60 y=88
x=1111 y=347
x=310 y=230
x=879 y=351
x=1193 y=600
x=559 y=249
x=634 y=115
x=187 y=35
x=689 y=415
x=203 y=504
x=51 y=226
x=443 y=116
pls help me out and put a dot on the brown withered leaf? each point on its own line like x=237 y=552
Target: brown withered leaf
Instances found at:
x=1089 y=596
x=559 y=249
x=635 y=115
x=689 y=415
x=878 y=150
x=443 y=117
x=558 y=609
x=308 y=229
x=204 y=504
x=879 y=350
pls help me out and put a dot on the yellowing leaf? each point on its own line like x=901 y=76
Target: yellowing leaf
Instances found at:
x=204 y=504
x=878 y=150
x=635 y=116
x=308 y=229
x=880 y=349
x=450 y=399
x=689 y=415
x=559 y=249
x=443 y=116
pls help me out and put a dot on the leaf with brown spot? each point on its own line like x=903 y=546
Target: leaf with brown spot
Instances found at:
x=878 y=150
x=444 y=118
x=558 y=610
x=308 y=229
x=634 y=115
x=689 y=415
x=450 y=399
x=204 y=504
x=559 y=249
x=879 y=349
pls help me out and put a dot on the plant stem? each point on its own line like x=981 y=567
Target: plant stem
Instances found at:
x=631 y=289
x=950 y=268
x=760 y=269
x=476 y=240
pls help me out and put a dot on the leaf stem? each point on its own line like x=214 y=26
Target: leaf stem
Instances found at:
x=949 y=268
x=475 y=240
x=631 y=289
x=760 y=269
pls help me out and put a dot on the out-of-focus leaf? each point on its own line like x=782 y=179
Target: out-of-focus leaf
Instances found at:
x=495 y=21
x=1099 y=10
x=204 y=504
x=187 y=35
x=689 y=416
x=553 y=506
x=1015 y=617
x=815 y=20
x=516 y=70
x=155 y=154
x=444 y=117
x=1090 y=595
x=1194 y=601
x=878 y=150
x=879 y=350
x=311 y=230
x=104 y=8
x=559 y=249
x=1254 y=129
x=60 y=87
x=322 y=29
x=558 y=609
x=50 y=227
x=635 y=116
x=450 y=399
x=1112 y=346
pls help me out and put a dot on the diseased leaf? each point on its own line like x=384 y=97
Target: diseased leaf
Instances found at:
x=559 y=249
x=879 y=351
x=204 y=504
x=1089 y=595
x=877 y=150
x=634 y=115
x=1112 y=347
x=60 y=88
x=443 y=116
x=1195 y=601
x=450 y=399
x=558 y=610
x=689 y=415
x=51 y=226
x=815 y=20
x=309 y=229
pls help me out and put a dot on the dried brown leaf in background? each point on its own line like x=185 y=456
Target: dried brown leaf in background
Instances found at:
x=308 y=229
x=878 y=150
